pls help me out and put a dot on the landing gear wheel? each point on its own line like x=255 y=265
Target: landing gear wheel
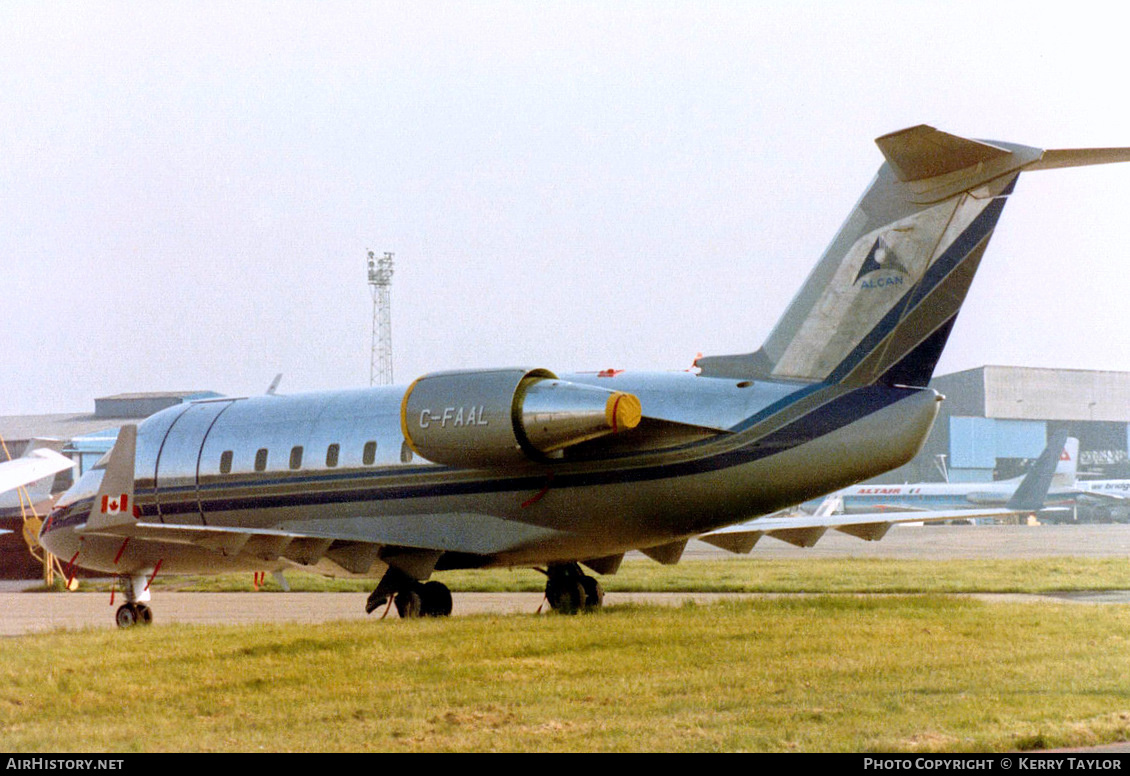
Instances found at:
x=594 y=593
x=570 y=590
x=412 y=599
x=565 y=595
x=435 y=600
x=126 y=616
x=144 y=614
x=408 y=604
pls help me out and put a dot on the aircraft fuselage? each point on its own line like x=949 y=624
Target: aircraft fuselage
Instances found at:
x=710 y=452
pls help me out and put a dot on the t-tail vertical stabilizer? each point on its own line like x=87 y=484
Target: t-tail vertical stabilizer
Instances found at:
x=1065 y=470
x=880 y=304
x=1033 y=488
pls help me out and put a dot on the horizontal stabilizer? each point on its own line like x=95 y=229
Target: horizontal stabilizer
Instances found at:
x=1079 y=157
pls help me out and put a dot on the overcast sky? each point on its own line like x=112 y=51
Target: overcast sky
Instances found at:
x=188 y=190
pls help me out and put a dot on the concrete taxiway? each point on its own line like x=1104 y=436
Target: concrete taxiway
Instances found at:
x=25 y=613
x=22 y=612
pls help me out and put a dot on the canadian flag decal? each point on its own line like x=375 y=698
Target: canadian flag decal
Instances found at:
x=113 y=506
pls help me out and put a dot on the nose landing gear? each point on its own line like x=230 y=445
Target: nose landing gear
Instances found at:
x=135 y=611
x=129 y=615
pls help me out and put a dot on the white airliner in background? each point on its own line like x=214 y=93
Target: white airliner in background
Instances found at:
x=1118 y=490
x=525 y=467
x=27 y=480
x=962 y=495
x=1024 y=496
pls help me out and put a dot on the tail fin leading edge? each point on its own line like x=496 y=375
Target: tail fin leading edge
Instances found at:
x=880 y=304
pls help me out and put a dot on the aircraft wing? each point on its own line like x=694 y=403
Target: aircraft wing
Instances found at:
x=35 y=465
x=341 y=543
x=267 y=545
x=1102 y=495
x=806 y=530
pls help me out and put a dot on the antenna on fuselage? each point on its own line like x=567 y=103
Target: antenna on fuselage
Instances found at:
x=380 y=282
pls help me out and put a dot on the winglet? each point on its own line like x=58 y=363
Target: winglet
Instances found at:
x=114 y=506
x=1033 y=489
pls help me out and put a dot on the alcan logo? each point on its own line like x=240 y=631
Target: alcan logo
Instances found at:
x=881 y=258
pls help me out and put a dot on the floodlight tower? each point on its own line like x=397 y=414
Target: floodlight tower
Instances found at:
x=380 y=280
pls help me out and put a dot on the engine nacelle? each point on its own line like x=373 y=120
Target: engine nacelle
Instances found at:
x=507 y=417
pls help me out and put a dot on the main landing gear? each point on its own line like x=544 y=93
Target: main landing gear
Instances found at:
x=412 y=599
x=129 y=615
x=569 y=590
x=134 y=611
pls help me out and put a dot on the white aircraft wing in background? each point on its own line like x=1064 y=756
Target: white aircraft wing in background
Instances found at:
x=35 y=465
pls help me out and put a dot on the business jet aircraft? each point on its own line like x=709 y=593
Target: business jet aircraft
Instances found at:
x=522 y=467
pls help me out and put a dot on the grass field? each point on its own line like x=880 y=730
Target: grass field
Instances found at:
x=760 y=575
x=824 y=673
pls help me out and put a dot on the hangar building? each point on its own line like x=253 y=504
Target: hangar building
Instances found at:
x=83 y=437
x=996 y=418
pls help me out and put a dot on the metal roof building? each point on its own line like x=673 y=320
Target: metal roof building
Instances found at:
x=109 y=413
x=994 y=418
x=83 y=437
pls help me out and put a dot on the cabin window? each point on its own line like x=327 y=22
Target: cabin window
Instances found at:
x=225 y=462
x=331 y=455
x=405 y=452
x=370 y=453
x=296 y=457
x=261 y=460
